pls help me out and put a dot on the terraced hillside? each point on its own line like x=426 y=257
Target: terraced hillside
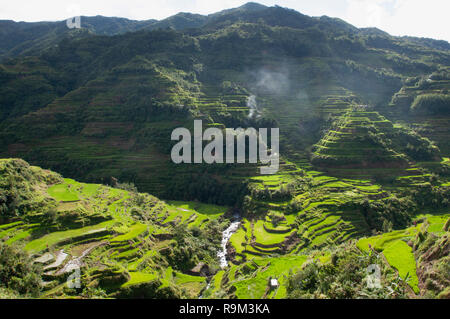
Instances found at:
x=400 y=255
x=433 y=123
x=300 y=210
x=113 y=127
x=364 y=159
x=126 y=244
x=357 y=140
x=302 y=215
x=95 y=104
x=401 y=249
x=365 y=144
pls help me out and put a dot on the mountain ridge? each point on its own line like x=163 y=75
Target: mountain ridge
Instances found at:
x=101 y=25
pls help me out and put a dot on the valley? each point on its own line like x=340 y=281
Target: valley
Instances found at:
x=89 y=193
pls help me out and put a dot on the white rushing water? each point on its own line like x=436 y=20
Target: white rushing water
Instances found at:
x=225 y=238
x=226 y=235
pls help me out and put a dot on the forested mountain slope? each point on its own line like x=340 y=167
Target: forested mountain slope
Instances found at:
x=124 y=94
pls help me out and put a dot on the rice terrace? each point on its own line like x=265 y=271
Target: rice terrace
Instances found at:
x=118 y=179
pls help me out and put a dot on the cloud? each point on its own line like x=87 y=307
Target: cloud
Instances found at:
x=402 y=17
x=422 y=18
x=366 y=12
x=272 y=81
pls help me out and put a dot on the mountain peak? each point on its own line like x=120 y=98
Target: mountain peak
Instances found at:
x=253 y=6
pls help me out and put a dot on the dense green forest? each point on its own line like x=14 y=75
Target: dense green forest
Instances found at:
x=364 y=171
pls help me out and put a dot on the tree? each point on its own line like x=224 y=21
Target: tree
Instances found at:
x=17 y=271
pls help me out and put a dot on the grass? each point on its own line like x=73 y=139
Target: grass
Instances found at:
x=237 y=239
x=212 y=211
x=322 y=202
x=436 y=222
x=53 y=238
x=139 y=278
x=218 y=280
x=89 y=190
x=127 y=254
x=255 y=287
x=380 y=242
x=133 y=265
x=400 y=256
x=328 y=221
x=321 y=238
x=371 y=188
x=10 y=225
x=64 y=192
x=335 y=185
x=181 y=278
x=192 y=284
x=19 y=236
x=133 y=232
x=215 y=286
x=177 y=215
x=168 y=277
x=10 y=229
x=183 y=210
x=265 y=238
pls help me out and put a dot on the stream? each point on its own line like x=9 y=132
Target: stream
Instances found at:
x=227 y=233
x=222 y=254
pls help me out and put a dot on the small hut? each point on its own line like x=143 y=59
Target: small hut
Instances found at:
x=273 y=283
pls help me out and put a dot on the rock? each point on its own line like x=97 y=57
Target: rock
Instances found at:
x=200 y=270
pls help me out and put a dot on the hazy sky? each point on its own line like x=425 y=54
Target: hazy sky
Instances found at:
x=423 y=18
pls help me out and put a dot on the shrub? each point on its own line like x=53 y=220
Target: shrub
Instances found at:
x=130 y=187
x=194 y=246
x=434 y=104
x=17 y=271
x=415 y=146
x=344 y=277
